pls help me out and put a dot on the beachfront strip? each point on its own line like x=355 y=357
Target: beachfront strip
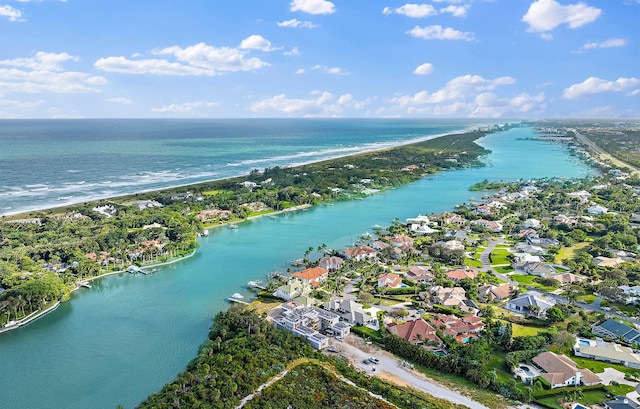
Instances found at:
x=443 y=280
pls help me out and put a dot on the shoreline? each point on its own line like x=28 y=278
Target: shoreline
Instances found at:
x=29 y=319
x=53 y=209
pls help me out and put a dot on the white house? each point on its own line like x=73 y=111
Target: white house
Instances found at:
x=597 y=210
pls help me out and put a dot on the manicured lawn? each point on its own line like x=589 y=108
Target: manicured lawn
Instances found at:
x=528 y=280
x=469 y=262
x=523 y=279
x=503 y=269
x=500 y=256
x=567 y=253
x=599 y=366
x=588 y=298
x=522 y=330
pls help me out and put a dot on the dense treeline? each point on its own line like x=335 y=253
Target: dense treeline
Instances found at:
x=243 y=352
x=44 y=254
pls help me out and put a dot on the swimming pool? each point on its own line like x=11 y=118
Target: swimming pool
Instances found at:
x=527 y=371
x=584 y=342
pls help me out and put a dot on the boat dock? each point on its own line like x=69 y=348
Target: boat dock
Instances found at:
x=256 y=284
x=231 y=299
x=84 y=284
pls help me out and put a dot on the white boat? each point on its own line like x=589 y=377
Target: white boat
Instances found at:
x=237 y=296
x=232 y=226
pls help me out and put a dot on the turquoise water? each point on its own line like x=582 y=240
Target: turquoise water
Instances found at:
x=128 y=335
x=50 y=163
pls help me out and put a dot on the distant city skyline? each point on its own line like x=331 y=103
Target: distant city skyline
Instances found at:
x=320 y=58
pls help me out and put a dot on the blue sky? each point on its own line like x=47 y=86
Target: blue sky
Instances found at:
x=319 y=58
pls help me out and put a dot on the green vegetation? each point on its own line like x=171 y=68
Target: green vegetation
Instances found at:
x=243 y=351
x=535 y=282
x=312 y=386
x=500 y=256
x=44 y=254
x=486 y=185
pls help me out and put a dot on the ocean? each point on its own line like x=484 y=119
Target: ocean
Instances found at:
x=129 y=335
x=50 y=163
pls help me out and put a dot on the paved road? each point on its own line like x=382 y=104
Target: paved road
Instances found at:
x=357 y=351
x=596 y=149
x=484 y=259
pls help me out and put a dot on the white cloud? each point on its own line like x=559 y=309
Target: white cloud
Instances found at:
x=470 y=96
x=321 y=104
x=185 y=108
x=10 y=12
x=313 y=6
x=457 y=11
x=330 y=70
x=545 y=15
x=610 y=43
x=300 y=71
x=294 y=23
x=44 y=73
x=294 y=51
x=120 y=100
x=595 y=85
x=412 y=10
x=424 y=69
x=256 y=42
x=439 y=33
x=196 y=60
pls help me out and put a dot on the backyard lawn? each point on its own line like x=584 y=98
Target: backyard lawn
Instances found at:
x=528 y=280
x=567 y=253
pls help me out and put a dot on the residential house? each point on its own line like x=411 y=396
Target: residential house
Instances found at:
x=531 y=303
x=416 y=331
x=389 y=280
x=451 y=297
x=581 y=195
x=360 y=253
x=632 y=293
x=520 y=259
x=332 y=263
x=616 y=330
x=462 y=329
x=531 y=224
x=293 y=289
x=539 y=269
x=146 y=204
x=602 y=261
x=350 y=311
x=495 y=293
x=528 y=248
x=606 y=351
x=306 y=322
x=490 y=225
x=621 y=402
x=402 y=241
x=450 y=245
x=313 y=276
x=460 y=274
x=561 y=371
x=568 y=278
x=597 y=210
x=544 y=242
x=419 y=274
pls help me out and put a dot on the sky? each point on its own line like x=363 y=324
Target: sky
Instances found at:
x=512 y=59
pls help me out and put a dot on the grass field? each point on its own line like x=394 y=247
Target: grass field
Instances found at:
x=588 y=298
x=567 y=253
x=528 y=280
x=600 y=366
x=500 y=256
